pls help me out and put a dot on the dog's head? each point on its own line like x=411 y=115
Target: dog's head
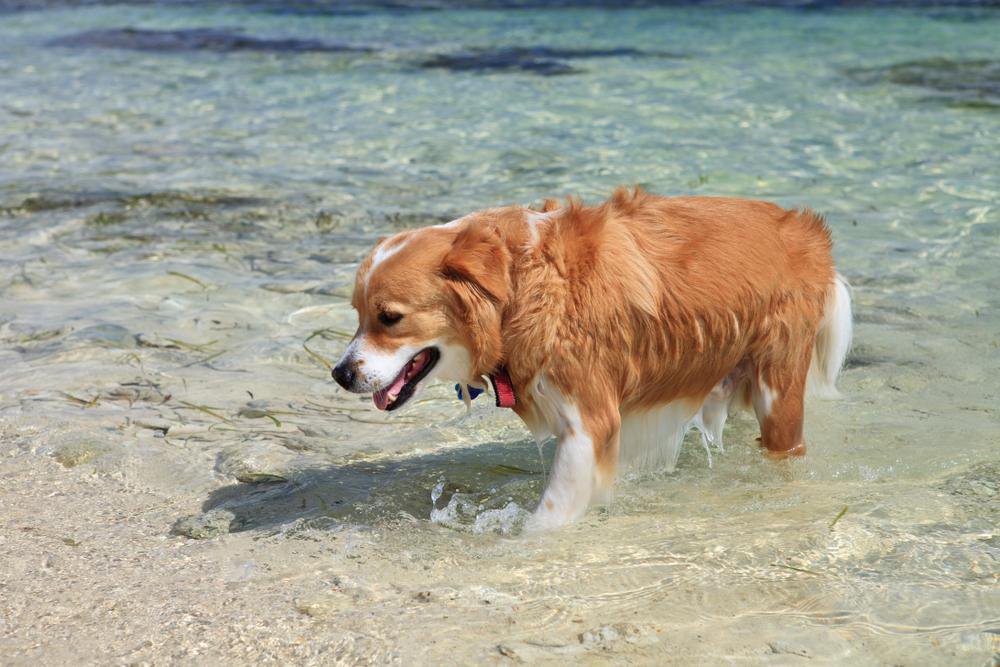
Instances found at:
x=429 y=305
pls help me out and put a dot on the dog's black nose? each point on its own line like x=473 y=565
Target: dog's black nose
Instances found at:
x=344 y=374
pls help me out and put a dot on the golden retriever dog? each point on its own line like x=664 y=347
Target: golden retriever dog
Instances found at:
x=614 y=328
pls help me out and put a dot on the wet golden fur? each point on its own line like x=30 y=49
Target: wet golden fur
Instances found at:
x=641 y=301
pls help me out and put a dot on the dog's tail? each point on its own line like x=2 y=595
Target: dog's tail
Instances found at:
x=833 y=341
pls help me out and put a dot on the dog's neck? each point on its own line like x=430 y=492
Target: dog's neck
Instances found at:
x=534 y=242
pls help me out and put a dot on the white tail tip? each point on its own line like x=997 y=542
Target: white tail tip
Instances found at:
x=833 y=341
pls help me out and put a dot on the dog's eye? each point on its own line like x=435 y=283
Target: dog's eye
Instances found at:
x=388 y=319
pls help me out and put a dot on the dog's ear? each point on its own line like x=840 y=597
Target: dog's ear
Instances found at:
x=477 y=271
x=480 y=259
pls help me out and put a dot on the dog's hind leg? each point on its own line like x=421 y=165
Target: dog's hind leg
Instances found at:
x=778 y=393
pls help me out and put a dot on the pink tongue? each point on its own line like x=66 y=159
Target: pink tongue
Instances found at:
x=383 y=397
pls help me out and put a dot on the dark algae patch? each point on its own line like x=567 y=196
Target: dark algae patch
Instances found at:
x=41 y=202
x=218 y=40
x=960 y=83
x=107 y=218
x=541 y=60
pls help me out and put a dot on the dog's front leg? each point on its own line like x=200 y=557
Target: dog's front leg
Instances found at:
x=585 y=462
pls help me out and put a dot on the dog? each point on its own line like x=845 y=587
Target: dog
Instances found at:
x=614 y=328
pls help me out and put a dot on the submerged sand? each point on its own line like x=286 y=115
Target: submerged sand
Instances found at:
x=676 y=571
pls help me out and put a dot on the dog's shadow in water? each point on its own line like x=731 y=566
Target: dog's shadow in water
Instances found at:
x=368 y=492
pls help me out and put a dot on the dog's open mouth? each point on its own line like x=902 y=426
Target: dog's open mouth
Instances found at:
x=398 y=392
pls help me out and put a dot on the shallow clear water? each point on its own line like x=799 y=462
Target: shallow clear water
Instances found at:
x=177 y=224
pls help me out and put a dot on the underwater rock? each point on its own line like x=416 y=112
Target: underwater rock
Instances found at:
x=983 y=489
x=78 y=453
x=606 y=637
x=545 y=61
x=506 y=60
x=218 y=40
x=981 y=480
x=977 y=489
x=254 y=462
x=206 y=526
x=968 y=83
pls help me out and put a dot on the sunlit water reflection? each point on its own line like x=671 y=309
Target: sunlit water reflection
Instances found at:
x=181 y=215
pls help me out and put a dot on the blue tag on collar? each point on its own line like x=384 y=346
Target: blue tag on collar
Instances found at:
x=474 y=392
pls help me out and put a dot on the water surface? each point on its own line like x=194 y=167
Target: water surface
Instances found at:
x=185 y=192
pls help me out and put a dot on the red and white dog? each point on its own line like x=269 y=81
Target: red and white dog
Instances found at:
x=617 y=326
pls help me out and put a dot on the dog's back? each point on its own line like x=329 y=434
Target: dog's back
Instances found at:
x=661 y=300
x=701 y=279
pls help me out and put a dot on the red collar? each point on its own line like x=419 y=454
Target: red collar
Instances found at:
x=503 y=388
